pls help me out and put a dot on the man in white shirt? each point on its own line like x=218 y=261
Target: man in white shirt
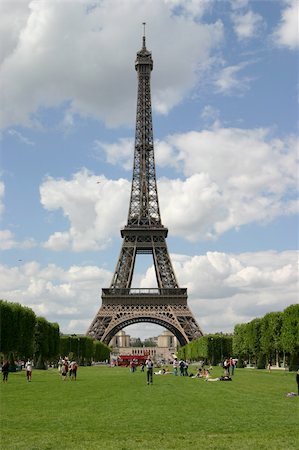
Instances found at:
x=149 y=370
x=28 y=367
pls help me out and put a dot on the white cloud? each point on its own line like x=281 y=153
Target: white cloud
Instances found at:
x=66 y=54
x=198 y=199
x=223 y=289
x=247 y=25
x=120 y=152
x=238 y=4
x=95 y=207
x=8 y=241
x=234 y=177
x=20 y=137
x=67 y=296
x=287 y=34
x=226 y=289
x=229 y=80
x=192 y=8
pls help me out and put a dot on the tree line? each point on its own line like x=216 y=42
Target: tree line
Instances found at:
x=24 y=335
x=273 y=338
x=212 y=348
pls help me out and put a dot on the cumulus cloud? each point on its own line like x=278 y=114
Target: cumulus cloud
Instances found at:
x=71 y=55
x=286 y=34
x=233 y=177
x=95 y=207
x=226 y=289
x=70 y=296
x=223 y=289
x=8 y=241
x=120 y=152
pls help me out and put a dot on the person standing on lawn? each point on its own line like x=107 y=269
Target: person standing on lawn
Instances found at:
x=5 y=370
x=28 y=367
x=73 y=370
x=149 y=370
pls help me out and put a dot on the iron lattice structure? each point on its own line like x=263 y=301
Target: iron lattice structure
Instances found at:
x=144 y=234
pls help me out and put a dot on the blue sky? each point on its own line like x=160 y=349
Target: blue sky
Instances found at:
x=225 y=116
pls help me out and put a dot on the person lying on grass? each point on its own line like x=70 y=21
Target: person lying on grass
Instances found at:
x=224 y=378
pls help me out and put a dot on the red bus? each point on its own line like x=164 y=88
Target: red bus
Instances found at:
x=125 y=360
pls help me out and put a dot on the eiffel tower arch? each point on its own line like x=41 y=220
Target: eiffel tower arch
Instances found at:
x=144 y=233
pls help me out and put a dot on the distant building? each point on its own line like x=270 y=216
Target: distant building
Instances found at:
x=167 y=339
x=121 y=339
x=166 y=346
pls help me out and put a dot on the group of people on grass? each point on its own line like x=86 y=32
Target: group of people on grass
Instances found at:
x=67 y=369
x=181 y=367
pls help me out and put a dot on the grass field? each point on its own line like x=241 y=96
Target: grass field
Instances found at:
x=111 y=408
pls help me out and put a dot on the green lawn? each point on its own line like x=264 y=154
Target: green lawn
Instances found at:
x=111 y=408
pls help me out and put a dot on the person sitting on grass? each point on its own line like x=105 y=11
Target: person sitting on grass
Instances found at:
x=207 y=374
x=199 y=373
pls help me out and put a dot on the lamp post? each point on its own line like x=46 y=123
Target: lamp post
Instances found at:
x=212 y=340
x=221 y=348
x=72 y=347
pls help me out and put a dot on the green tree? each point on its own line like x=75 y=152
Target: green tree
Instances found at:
x=17 y=324
x=41 y=353
x=290 y=335
x=271 y=335
x=101 y=351
x=240 y=348
x=253 y=336
x=54 y=341
x=7 y=327
x=27 y=322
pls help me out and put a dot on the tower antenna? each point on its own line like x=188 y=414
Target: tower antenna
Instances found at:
x=143 y=37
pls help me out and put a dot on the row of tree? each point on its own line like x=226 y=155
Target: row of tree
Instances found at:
x=84 y=349
x=273 y=338
x=24 y=335
x=211 y=347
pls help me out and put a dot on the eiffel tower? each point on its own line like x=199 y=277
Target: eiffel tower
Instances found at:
x=144 y=234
